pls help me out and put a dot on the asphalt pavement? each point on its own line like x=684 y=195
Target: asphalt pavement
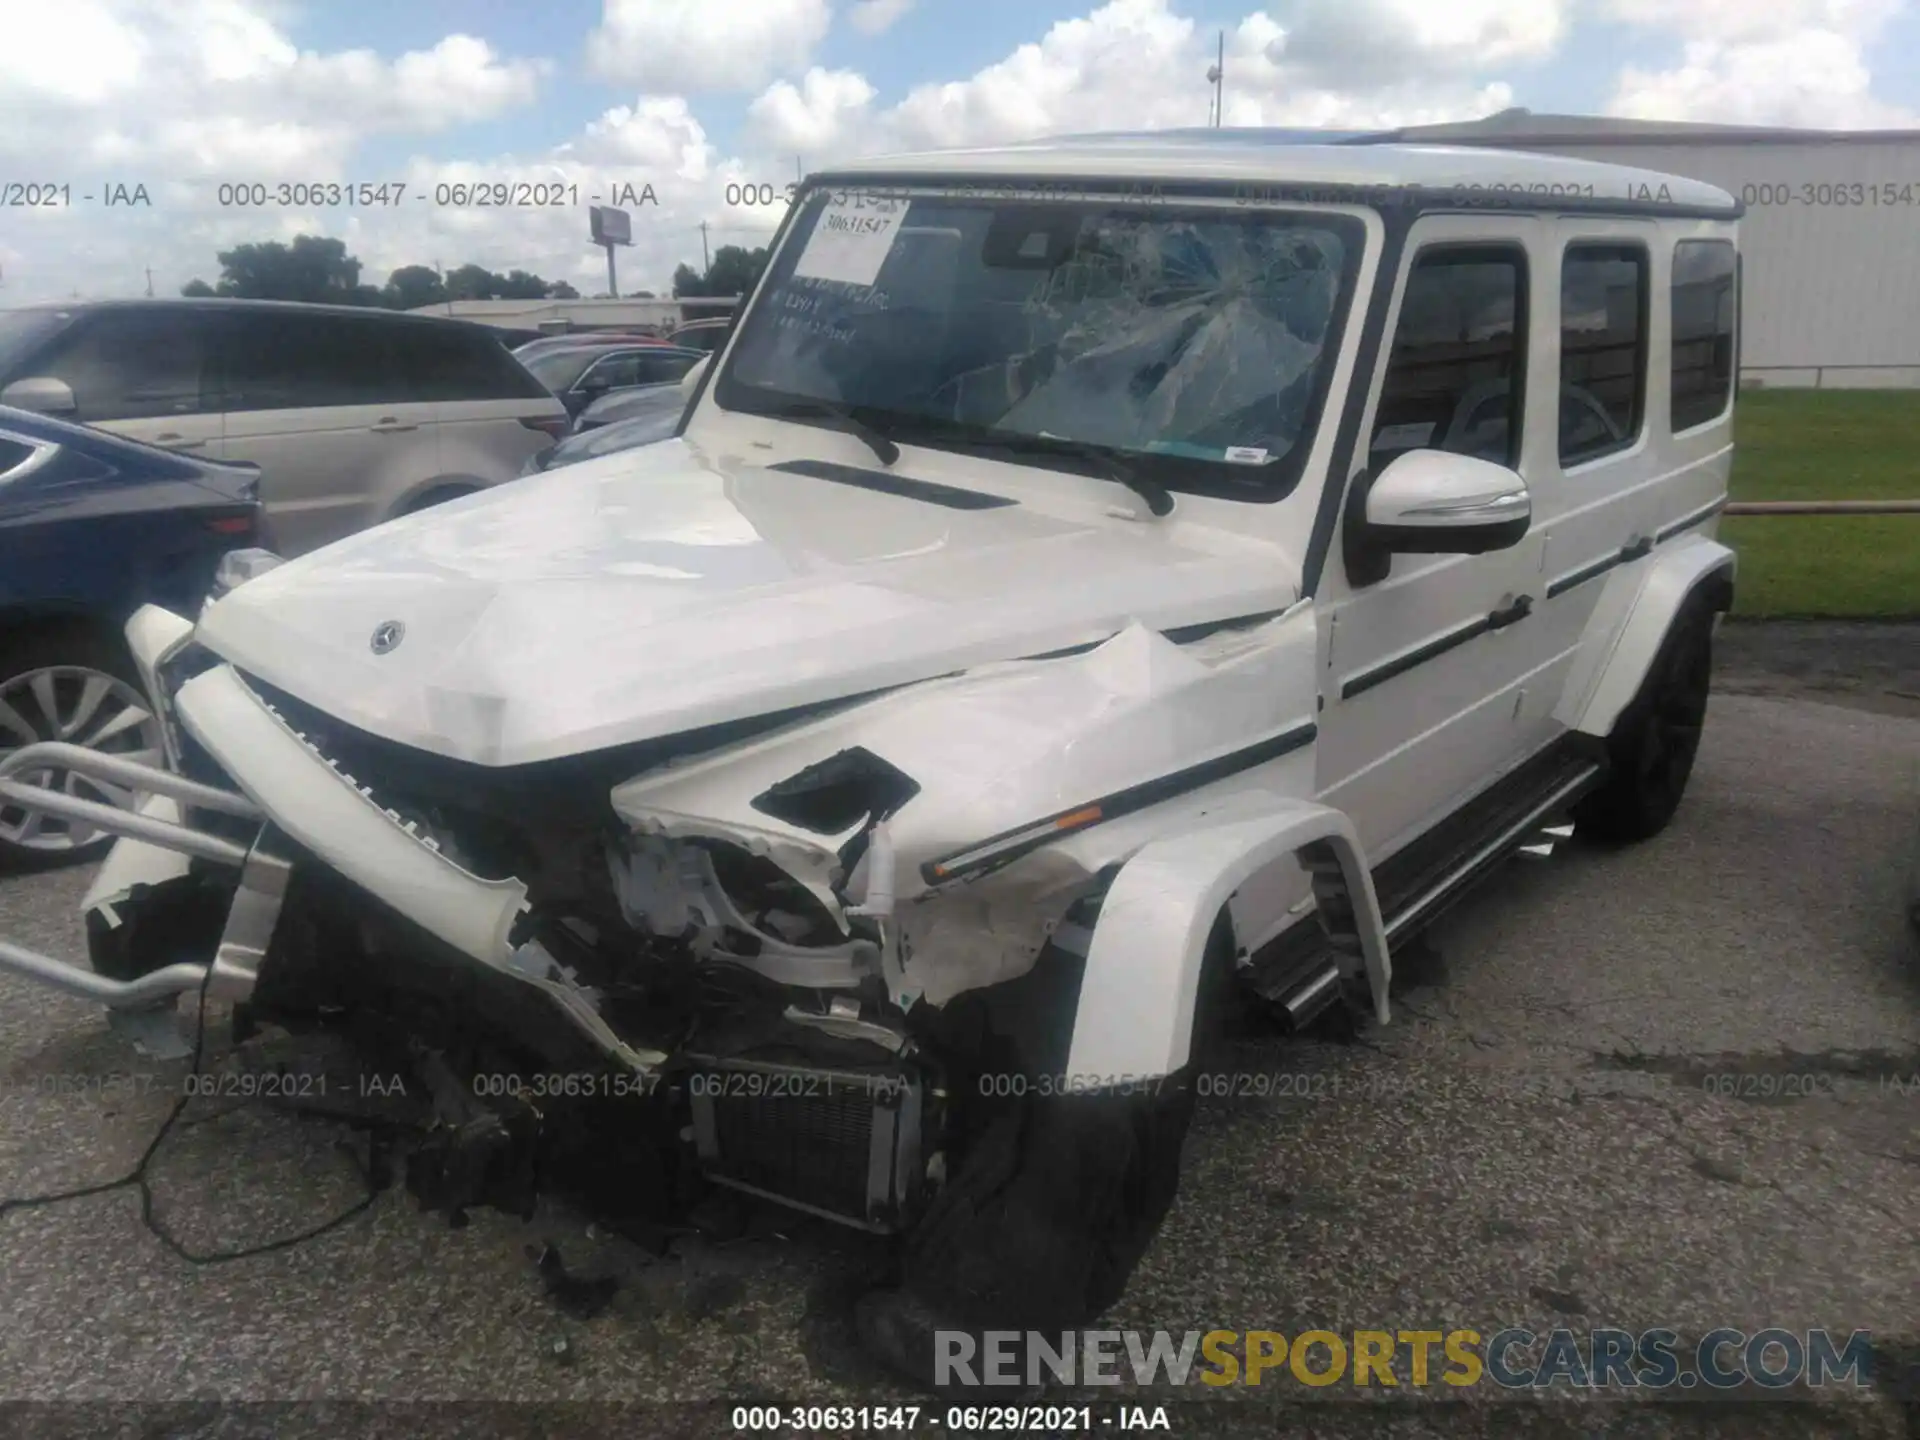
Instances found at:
x=1675 y=1086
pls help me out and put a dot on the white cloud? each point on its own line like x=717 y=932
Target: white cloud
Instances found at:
x=1784 y=62
x=686 y=46
x=873 y=17
x=808 y=118
x=180 y=94
x=1139 y=64
x=192 y=87
x=1358 y=44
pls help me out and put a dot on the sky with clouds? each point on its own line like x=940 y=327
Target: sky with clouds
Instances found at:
x=689 y=96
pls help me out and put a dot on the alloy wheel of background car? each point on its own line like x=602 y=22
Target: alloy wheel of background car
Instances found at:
x=82 y=706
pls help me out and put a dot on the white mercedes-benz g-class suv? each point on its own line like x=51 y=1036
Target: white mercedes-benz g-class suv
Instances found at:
x=1096 y=582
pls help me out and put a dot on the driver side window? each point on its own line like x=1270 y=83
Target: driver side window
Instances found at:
x=1455 y=379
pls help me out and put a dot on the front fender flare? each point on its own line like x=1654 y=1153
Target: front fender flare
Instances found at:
x=1135 y=1017
x=1630 y=624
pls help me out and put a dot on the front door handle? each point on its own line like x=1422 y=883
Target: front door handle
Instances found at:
x=391 y=426
x=1512 y=614
x=174 y=440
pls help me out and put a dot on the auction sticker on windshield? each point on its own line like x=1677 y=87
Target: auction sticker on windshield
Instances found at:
x=851 y=239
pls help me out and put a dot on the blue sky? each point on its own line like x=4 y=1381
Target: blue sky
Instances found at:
x=928 y=45
x=691 y=95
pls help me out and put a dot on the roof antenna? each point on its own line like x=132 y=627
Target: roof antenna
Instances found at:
x=1216 y=76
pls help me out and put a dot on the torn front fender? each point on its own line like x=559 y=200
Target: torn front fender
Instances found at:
x=1010 y=790
x=1143 y=969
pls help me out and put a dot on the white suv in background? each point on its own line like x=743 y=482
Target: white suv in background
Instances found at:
x=353 y=415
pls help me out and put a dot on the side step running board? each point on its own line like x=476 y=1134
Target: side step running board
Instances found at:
x=1429 y=903
x=1300 y=973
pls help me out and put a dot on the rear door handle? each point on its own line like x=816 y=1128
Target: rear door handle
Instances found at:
x=173 y=440
x=391 y=426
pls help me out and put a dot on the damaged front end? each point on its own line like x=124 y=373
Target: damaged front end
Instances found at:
x=794 y=957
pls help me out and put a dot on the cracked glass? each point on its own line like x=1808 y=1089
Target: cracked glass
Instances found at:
x=1192 y=343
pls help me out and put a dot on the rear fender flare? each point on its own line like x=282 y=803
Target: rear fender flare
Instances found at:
x=1137 y=997
x=1632 y=622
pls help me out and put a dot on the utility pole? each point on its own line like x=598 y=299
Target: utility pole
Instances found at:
x=799 y=175
x=705 y=255
x=1218 y=76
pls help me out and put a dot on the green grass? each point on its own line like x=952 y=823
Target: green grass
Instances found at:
x=1826 y=445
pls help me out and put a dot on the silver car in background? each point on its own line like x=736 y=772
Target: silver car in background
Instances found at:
x=353 y=415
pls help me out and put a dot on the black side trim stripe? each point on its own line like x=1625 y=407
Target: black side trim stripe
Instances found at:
x=1400 y=664
x=1009 y=845
x=902 y=485
x=1637 y=550
x=1365 y=680
x=1690 y=519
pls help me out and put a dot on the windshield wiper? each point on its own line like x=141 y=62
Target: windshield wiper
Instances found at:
x=1110 y=466
x=842 y=418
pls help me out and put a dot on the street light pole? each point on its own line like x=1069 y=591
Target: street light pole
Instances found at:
x=1217 y=75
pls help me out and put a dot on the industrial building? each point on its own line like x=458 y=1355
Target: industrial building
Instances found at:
x=1830 y=241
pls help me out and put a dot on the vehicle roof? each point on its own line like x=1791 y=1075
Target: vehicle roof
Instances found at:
x=609 y=345
x=228 y=304
x=31 y=425
x=1348 y=160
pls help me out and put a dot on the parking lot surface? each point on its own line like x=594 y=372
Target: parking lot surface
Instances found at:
x=1677 y=1086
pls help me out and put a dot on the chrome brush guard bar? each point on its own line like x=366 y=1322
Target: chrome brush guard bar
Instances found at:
x=259 y=869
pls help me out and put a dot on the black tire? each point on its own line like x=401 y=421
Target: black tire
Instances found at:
x=63 y=646
x=1053 y=1208
x=1654 y=743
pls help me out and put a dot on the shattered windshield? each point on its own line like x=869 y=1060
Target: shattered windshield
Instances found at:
x=1194 y=344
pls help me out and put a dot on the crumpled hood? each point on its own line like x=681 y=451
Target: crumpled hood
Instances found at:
x=657 y=591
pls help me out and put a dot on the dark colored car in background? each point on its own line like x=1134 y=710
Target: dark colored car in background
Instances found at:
x=619 y=405
x=582 y=374
x=92 y=526
x=704 y=335
x=650 y=416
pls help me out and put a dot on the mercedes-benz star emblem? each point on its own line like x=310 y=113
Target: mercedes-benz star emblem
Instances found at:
x=387 y=637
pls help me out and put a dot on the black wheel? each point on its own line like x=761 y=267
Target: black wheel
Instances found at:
x=1052 y=1209
x=1653 y=745
x=69 y=682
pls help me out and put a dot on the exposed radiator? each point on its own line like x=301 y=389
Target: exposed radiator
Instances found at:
x=846 y=1145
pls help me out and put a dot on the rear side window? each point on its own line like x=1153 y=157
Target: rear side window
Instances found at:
x=663 y=369
x=133 y=364
x=454 y=362
x=1456 y=376
x=1703 y=319
x=295 y=361
x=1603 y=350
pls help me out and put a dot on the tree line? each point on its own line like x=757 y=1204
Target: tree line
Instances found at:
x=317 y=269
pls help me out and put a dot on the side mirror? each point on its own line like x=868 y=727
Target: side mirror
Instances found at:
x=694 y=371
x=1431 y=502
x=42 y=394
